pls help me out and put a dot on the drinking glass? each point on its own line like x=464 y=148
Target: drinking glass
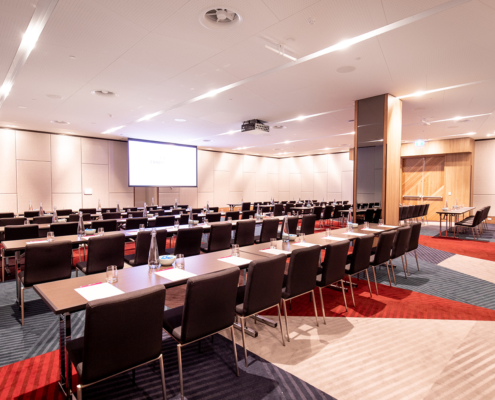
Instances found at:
x=235 y=250
x=328 y=232
x=50 y=236
x=26 y=222
x=156 y=214
x=366 y=224
x=112 y=274
x=250 y=217
x=229 y=219
x=349 y=228
x=101 y=231
x=205 y=221
x=302 y=237
x=129 y=216
x=273 y=244
x=141 y=227
x=179 y=261
x=380 y=222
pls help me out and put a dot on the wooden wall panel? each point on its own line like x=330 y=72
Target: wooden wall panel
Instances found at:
x=463 y=145
x=434 y=184
x=458 y=178
x=412 y=180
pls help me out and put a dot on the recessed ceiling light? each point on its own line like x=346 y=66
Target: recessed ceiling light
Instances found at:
x=54 y=96
x=346 y=69
x=420 y=93
x=72 y=57
x=104 y=93
x=220 y=19
x=112 y=130
x=459 y=118
x=149 y=116
x=60 y=122
x=180 y=120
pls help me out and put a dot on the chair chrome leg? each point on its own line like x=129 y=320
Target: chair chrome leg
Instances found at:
x=407 y=264
x=77 y=272
x=343 y=294
x=352 y=291
x=162 y=372
x=280 y=323
x=388 y=273
x=369 y=284
x=314 y=306
x=235 y=349
x=286 y=324
x=403 y=265
x=244 y=340
x=393 y=272
x=181 y=379
x=322 y=306
x=79 y=392
x=374 y=276
x=416 y=255
x=22 y=305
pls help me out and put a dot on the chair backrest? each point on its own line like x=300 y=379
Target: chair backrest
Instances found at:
x=427 y=208
x=417 y=208
x=197 y=210
x=288 y=208
x=232 y=214
x=214 y=209
x=64 y=228
x=334 y=262
x=143 y=241
x=345 y=202
x=110 y=209
x=265 y=209
x=167 y=220
x=46 y=262
x=108 y=225
x=31 y=214
x=378 y=215
x=244 y=234
x=176 y=211
x=188 y=241
x=293 y=222
x=401 y=242
x=161 y=241
x=347 y=206
x=337 y=211
x=134 y=214
x=213 y=216
x=220 y=235
x=130 y=209
x=196 y=217
x=317 y=212
x=422 y=210
x=384 y=247
x=308 y=224
x=264 y=284
x=104 y=251
x=88 y=210
x=122 y=332
x=184 y=206
x=327 y=212
x=159 y=212
x=246 y=206
x=75 y=217
x=301 y=276
x=278 y=210
x=414 y=239
x=246 y=214
x=112 y=215
x=478 y=217
x=12 y=221
x=269 y=230
x=21 y=232
x=6 y=215
x=360 y=259
x=64 y=212
x=184 y=219
x=368 y=215
x=410 y=212
x=167 y=207
x=209 y=304
x=133 y=223
x=42 y=220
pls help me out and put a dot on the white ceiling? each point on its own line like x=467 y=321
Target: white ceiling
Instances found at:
x=157 y=56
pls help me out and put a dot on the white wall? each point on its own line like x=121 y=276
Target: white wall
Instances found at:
x=484 y=170
x=55 y=170
x=227 y=178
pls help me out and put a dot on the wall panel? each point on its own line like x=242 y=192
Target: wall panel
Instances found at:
x=295 y=186
x=204 y=197
x=484 y=166
x=205 y=171
x=249 y=192
x=320 y=191
x=189 y=196
x=66 y=164
x=236 y=183
x=94 y=151
x=7 y=164
x=273 y=187
x=34 y=182
x=33 y=146
x=118 y=168
x=125 y=199
x=221 y=185
x=8 y=203
x=67 y=200
x=95 y=177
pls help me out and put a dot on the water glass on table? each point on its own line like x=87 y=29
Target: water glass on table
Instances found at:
x=179 y=261
x=250 y=217
x=101 y=231
x=328 y=232
x=235 y=250
x=112 y=274
x=229 y=219
x=141 y=227
x=380 y=222
x=302 y=237
x=366 y=224
x=50 y=236
x=273 y=243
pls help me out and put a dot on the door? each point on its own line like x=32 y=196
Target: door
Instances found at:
x=423 y=182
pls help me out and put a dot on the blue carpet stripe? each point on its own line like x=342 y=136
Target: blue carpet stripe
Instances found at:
x=432 y=256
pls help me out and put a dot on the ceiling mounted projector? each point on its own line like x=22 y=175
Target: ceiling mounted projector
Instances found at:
x=255 y=127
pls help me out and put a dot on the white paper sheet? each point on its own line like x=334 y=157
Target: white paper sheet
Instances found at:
x=275 y=252
x=388 y=226
x=235 y=260
x=38 y=241
x=372 y=230
x=354 y=234
x=304 y=244
x=333 y=238
x=97 y=291
x=175 y=274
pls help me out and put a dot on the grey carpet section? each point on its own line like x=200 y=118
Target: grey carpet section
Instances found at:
x=432 y=256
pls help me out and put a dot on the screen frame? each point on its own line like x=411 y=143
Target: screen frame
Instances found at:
x=157 y=142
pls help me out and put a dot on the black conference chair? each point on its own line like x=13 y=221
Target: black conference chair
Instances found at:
x=18 y=232
x=64 y=212
x=12 y=221
x=337 y=213
x=244 y=233
x=135 y=214
x=184 y=219
x=381 y=254
x=278 y=210
x=214 y=217
x=88 y=210
x=377 y=216
x=293 y=223
x=333 y=269
x=75 y=217
x=327 y=214
x=247 y=214
x=184 y=206
x=133 y=223
x=103 y=251
x=219 y=238
x=108 y=225
x=197 y=210
x=269 y=230
x=44 y=262
x=31 y=214
x=414 y=240
x=301 y=278
x=261 y=292
x=209 y=308
x=213 y=209
x=142 y=250
x=7 y=215
x=168 y=207
x=425 y=212
x=112 y=215
x=42 y=220
x=246 y=206
x=188 y=242
x=317 y=211
x=400 y=247
x=471 y=222
x=159 y=213
x=167 y=220
x=359 y=260
x=288 y=208
x=308 y=222
x=232 y=214
x=368 y=215
x=410 y=212
x=107 y=210
x=176 y=211
x=115 y=340
x=64 y=228
x=196 y=217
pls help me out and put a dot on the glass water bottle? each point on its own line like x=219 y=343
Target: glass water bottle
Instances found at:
x=80 y=225
x=153 y=261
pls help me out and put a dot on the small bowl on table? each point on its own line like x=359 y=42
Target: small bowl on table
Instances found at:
x=90 y=231
x=166 y=260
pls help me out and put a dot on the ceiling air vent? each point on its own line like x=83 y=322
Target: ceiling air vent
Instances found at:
x=219 y=19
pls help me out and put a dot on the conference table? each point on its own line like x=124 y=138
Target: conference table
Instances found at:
x=451 y=217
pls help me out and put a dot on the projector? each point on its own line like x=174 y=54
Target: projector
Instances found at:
x=255 y=127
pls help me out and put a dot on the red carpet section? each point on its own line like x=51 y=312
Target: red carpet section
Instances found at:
x=391 y=303
x=470 y=248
